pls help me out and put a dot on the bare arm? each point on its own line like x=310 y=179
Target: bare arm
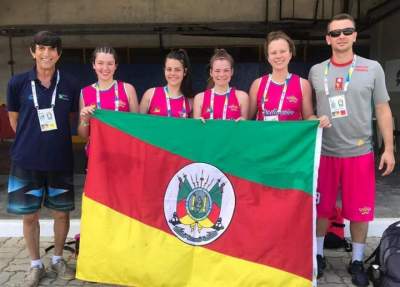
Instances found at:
x=253 y=98
x=307 y=106
x=13 y=117
x=243 y=99
x=145 y=102
x=190 y=115
x=132 y=98
x=85 y=114
x=198 y=105
x=384 y=117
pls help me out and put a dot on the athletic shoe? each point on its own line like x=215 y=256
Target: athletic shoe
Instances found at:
x=358 y=275
x=63 y=270
x=34 y=275
x=321 y=265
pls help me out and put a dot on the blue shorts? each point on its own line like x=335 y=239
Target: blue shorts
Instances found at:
x=28 y=189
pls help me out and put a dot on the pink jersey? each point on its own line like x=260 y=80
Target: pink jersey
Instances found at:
x=179 y=107
x=292 y=103
x=107 y=97
x=233 y=107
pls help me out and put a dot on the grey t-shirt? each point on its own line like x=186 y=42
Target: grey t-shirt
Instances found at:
x=351 y=135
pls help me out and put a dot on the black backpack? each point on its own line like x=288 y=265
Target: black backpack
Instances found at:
x=384 y=270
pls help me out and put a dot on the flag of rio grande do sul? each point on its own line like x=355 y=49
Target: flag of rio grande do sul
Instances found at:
x=176 y=202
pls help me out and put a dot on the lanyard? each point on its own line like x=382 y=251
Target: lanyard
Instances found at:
x=168 y=100
x=225 y=104
x=116 y=100
x=348 y=77
x=283 y=94
x=53 y=97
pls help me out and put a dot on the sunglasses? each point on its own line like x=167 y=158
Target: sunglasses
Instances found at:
x=345 y=31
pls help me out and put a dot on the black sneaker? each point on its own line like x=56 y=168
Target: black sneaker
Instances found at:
x=358 y=275
x=321 y=265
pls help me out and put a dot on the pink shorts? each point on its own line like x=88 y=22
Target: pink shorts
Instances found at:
x=356 y=178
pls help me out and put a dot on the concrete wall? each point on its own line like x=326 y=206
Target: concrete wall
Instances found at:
x=385 y=46
x=26 y=12
x=128 y=11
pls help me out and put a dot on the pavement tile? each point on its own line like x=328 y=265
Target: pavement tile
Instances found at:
x=332 y=277
x=23 y=254
x=8 y=255
x=46 y=281
x=17 y=265
x=14 y=242
x=4 y=263
x=16 y=280
x=76 y=282
x=4 y=277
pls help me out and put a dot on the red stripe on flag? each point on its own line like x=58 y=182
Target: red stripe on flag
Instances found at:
x=214 y=213
x=268 y=226
x=181 y=209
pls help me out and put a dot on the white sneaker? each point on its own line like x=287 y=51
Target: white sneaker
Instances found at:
x=63 y=270
x=34 y=275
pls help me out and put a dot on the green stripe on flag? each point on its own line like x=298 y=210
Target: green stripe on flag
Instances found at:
x=275 y=154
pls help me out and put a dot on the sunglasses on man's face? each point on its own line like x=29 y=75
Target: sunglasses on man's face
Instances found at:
x=345 y=31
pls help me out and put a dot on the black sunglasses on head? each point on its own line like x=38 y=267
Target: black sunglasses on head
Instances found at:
x=345 y=31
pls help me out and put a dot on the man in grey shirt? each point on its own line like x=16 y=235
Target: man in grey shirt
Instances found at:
x=347 y=87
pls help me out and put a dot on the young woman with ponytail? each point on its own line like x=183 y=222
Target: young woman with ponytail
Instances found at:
x=220 y=101
x=173 y=99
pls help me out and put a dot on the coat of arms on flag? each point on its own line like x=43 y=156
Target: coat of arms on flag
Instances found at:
x=199 y=203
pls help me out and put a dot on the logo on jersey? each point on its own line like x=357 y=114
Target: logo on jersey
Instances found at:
x=292 y=99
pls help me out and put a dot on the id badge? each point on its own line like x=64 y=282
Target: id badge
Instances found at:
x=271 y=118
x=47 y=119
x=338 y=106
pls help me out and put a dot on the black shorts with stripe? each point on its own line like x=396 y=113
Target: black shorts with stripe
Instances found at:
x=29 y=189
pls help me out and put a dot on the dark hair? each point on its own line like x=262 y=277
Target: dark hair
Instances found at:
x=276 y=35
x=106 y=50
x=219 y=54
x=342 y=16
x=46 y=38
x=182 y=56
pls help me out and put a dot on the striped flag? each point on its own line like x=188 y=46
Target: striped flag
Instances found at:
x=175 y=202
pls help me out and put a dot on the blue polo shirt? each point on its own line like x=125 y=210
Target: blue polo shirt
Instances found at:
x=32 y=148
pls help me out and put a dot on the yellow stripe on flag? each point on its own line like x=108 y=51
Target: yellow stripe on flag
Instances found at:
x=117 y=249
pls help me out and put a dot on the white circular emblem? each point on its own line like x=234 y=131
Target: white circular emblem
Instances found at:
x=199 y=203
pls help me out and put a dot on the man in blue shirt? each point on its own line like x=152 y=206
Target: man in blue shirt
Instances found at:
x=40 y=102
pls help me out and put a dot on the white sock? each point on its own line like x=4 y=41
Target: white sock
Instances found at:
x=55 y=259
x=358 y=251
x=320 y=245
x=37 y=263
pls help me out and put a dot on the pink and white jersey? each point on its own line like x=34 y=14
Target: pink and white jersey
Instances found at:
x=178 y=107
x=108 y=97
x=232 y=108
x=292 y=103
